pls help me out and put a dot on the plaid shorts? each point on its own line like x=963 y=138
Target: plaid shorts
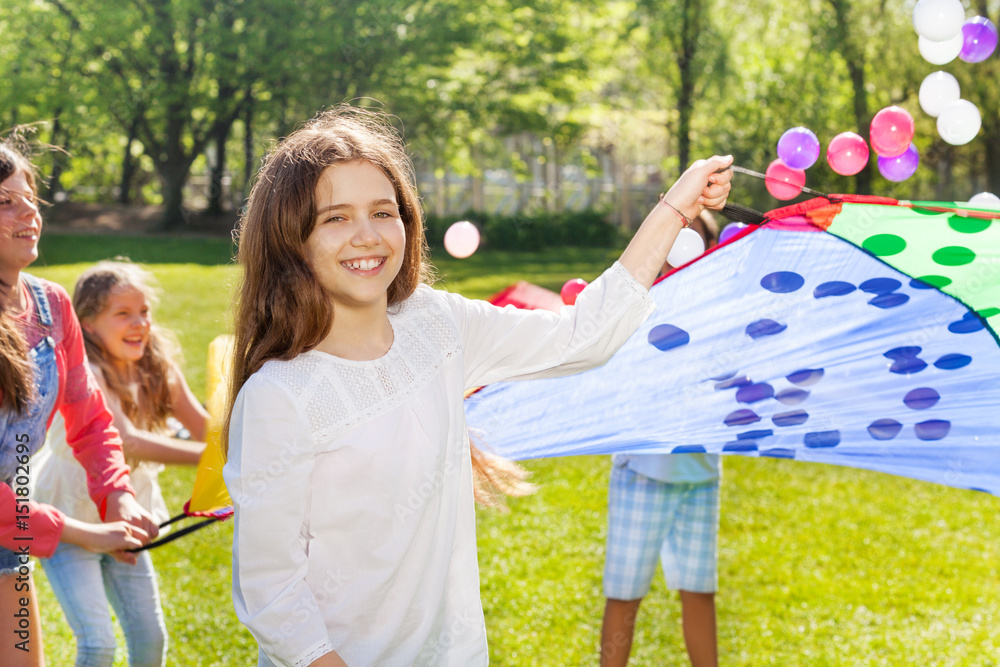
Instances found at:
x=648 y=518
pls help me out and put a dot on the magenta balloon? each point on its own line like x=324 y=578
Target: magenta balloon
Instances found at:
x=892 y=131
x=731 y=230
x=979 y=39
x=901 y=167
x=571 y=289
x=847 y=153
x=798 y=148
x=782 y=181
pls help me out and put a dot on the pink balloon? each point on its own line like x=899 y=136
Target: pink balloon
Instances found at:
x=461 y=239
x=892 y=131
x=782 y=181
x=571 y=290
x=847 y=153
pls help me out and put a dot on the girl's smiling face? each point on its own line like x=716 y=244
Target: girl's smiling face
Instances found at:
x=123 y=326
x=356 y=248
x=20 y=223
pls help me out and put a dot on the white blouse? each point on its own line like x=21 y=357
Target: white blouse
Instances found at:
x=352 y=481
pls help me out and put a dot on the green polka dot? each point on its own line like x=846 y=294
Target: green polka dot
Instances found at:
x=953 y=255
x=968 y=225
x=883 y=245
x=936 y=281
x=989 y=312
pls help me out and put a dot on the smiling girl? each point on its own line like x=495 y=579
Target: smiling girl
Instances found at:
x=44 y=372
x=349 y=460
x=133 y=362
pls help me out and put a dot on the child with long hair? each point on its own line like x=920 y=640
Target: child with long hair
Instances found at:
x=349 y=462
x=43 y=370
x=134 y=363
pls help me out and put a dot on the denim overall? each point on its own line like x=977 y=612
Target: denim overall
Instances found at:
x=32 y=423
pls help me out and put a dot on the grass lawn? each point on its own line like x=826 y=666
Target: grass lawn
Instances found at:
x=818 y=565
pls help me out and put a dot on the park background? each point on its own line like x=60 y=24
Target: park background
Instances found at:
x=552 y=124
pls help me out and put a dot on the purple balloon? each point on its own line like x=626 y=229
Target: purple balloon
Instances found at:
x=798 y=148
x=731 y=230
x=901 y=167
x=979 y=38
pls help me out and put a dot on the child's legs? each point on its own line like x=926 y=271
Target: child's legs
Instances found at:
x=75 y=576
x=698 y=617
x=638 y=513
x=689 y=558
x=617 y=631
x=134 y=594
x=19 y=622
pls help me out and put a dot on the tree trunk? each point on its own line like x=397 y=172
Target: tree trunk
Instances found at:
x=217 y=170
x=173 y=178
x=690 y=33
x=248 y=158
x=863 y=180
x=128 y=164
x=54 y=186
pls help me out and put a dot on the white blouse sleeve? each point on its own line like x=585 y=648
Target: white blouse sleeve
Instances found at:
x=516 y=344
x=271 y=458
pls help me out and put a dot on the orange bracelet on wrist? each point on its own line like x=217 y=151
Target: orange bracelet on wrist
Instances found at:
x=686 y=220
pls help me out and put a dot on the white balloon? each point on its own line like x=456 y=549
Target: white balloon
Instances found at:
x=959 y=122
x=687 y=246
x=985 y=200
x=941 y=53
x=938 y=90
x=938 y=20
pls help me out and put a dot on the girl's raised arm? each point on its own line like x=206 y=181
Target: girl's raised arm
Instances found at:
x=699 y=187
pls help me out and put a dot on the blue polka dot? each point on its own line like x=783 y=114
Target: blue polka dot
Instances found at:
x=724 y=376
x=779 y=453
x=907 y=366
x=889 y=300
x=754 y=435
x=905 y=360
x=950 y=362
x=782 y=282
x=754 y=392
x=791 y=418
x=833 y=288
x=741 y=418
x=740 y=446
x=916 y=283
x=921 y=398
x=821 y=439
x=884 y=429
x=762 y=328
x=903 y=352
x=688 y=449
x=807 y=377
x=741 y=381
x=880 y=285
x=666 y=337
x=792 y=396
x=970 y=323
x=933 y=429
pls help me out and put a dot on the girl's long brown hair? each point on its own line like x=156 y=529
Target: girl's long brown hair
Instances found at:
x=282 y=310
x=16 y=376
x=149 y=406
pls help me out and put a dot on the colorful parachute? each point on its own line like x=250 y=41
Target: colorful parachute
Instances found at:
x=857 y=331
